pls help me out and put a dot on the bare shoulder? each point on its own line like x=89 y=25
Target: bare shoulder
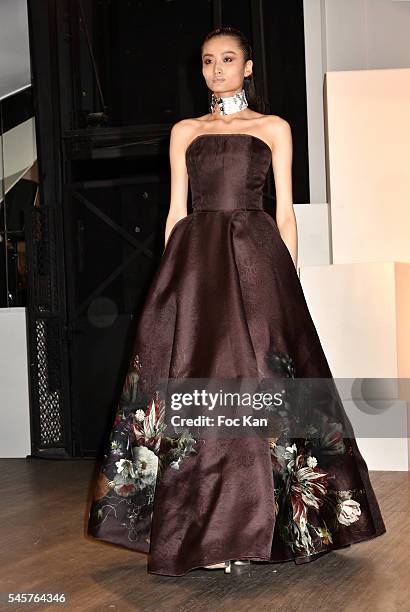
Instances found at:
x=183 y=131
x=278 y=130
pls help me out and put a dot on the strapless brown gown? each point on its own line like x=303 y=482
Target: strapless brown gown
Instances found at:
x=225 y=296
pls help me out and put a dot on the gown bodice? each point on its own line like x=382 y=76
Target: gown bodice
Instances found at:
x=227 y=171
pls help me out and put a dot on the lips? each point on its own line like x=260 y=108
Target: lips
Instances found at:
x=218 y=80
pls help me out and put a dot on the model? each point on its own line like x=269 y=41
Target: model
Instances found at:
x=226 y=303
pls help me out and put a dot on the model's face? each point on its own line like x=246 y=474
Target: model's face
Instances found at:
x=223 y=65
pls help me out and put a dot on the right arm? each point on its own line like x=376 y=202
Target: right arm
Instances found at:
x=180 y=134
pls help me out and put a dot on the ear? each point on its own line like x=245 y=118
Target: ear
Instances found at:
x=248 y=68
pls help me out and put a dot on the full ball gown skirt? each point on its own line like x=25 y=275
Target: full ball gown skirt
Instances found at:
x=224 y=298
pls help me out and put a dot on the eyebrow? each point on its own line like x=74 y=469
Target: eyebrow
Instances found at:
x=211 y=55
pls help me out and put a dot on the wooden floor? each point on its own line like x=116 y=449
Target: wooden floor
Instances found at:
x=44 y=550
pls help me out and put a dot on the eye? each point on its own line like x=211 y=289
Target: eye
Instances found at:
x=208 y=61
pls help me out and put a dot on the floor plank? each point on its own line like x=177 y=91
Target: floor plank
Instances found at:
x=44 y=549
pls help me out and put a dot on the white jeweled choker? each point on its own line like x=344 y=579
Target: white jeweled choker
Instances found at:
x=230 y=104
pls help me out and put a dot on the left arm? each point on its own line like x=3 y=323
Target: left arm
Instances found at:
x=282 y=153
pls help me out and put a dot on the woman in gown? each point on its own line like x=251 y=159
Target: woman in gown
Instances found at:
x=226 y=302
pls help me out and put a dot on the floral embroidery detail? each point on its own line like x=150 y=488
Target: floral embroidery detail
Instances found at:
x=309 y=507
x=138 y=453
x=140 y=415
x=304 y=493
x=281 y=363
x=312 y=462
x=348 y=510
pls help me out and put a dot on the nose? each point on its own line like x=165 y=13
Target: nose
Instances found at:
x=217 y=69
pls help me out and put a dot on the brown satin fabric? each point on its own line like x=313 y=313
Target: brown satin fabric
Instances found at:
x=225 y=293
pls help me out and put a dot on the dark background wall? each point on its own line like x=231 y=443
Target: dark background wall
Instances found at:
x=109 y=81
